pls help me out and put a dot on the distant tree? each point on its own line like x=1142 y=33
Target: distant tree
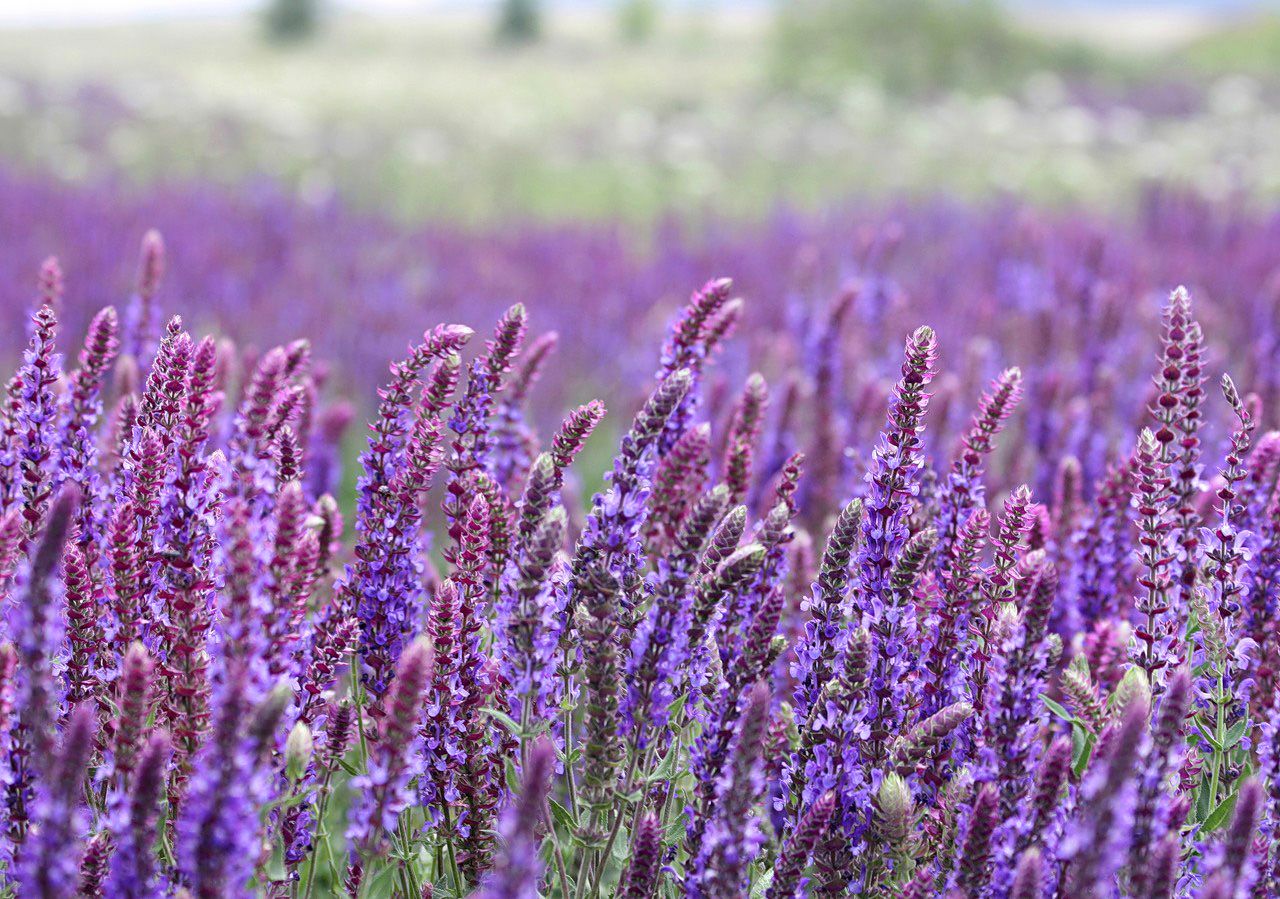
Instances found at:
x=519 y=21
x=638 y=20
x=288 y=21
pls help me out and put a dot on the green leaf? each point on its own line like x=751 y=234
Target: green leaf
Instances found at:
x=1058 y=709
x=761 y=886
x=1203 y=802
x=563 y=817
x=677 y=705
x=1219 y=817
x=1081 y=748
x=1235 y=734
x=513 y=779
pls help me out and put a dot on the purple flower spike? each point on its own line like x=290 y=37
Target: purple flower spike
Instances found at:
x=49 y=863
x=517 y=870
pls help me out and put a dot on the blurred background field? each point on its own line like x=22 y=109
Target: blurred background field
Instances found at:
x=639 y=109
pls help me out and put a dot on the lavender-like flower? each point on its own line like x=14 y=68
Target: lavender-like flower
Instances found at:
x=49 y=865
x=640 y=879
x=965 y=491
x=516 y=872
x=36 y=625
x=133 y=871
x=788 y=882
x=383 y=790
x=1097 y=841
x=378 y=587
x=732 y=836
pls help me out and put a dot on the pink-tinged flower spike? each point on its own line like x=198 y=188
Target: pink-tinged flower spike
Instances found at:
x=442 y=725
x=965 y=490
x=732 y=834
x=1156 y=637
x=51 y=284
x=382 y=793
x=1028 y=877
x=640 y=879
x=81 y=412
x=134 y=826
x=681 y=475
x=381 y=571
x=828 y=431
x=1097 y=841
x=141 y=310
x=686 y=348
x=1184 y=344
x=512 y=435
x=950 y=613
x=480 y=776
x=161 y=401
x=8 y=694
x=517 y=870
x=49 y=865
x=84 y=606
x=788 y=881
x=333 y=640
x=185 y=576
x=744 y=431
x=218 y=840
x=93 y=866
x=36 y=420
x=127 y=575
x=997 y=588
x=1225 y=684
x=1162 y=755
x=11 y=535
x=973 y=859
x=36 y=629
x=291 y=575
x=133 y=700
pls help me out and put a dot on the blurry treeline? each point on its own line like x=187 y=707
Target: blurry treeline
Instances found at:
x=914 y=46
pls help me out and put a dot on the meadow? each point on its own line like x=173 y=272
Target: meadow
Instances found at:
x=586 y=469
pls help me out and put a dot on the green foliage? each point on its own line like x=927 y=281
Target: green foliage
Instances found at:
x=910 y=47
x=290 y=21
x=638 y=20
x=519 y=21
x=1251 y=45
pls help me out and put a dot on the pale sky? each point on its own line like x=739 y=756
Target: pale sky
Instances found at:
x=78 y=12
x=71 y=12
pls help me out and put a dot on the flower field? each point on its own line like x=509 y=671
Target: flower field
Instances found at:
x=937 y=554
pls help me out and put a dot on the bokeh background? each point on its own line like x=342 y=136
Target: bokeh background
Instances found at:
x=632 y=109
x=356 y=171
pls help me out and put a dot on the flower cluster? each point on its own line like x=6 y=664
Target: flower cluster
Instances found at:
x=999 y=647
